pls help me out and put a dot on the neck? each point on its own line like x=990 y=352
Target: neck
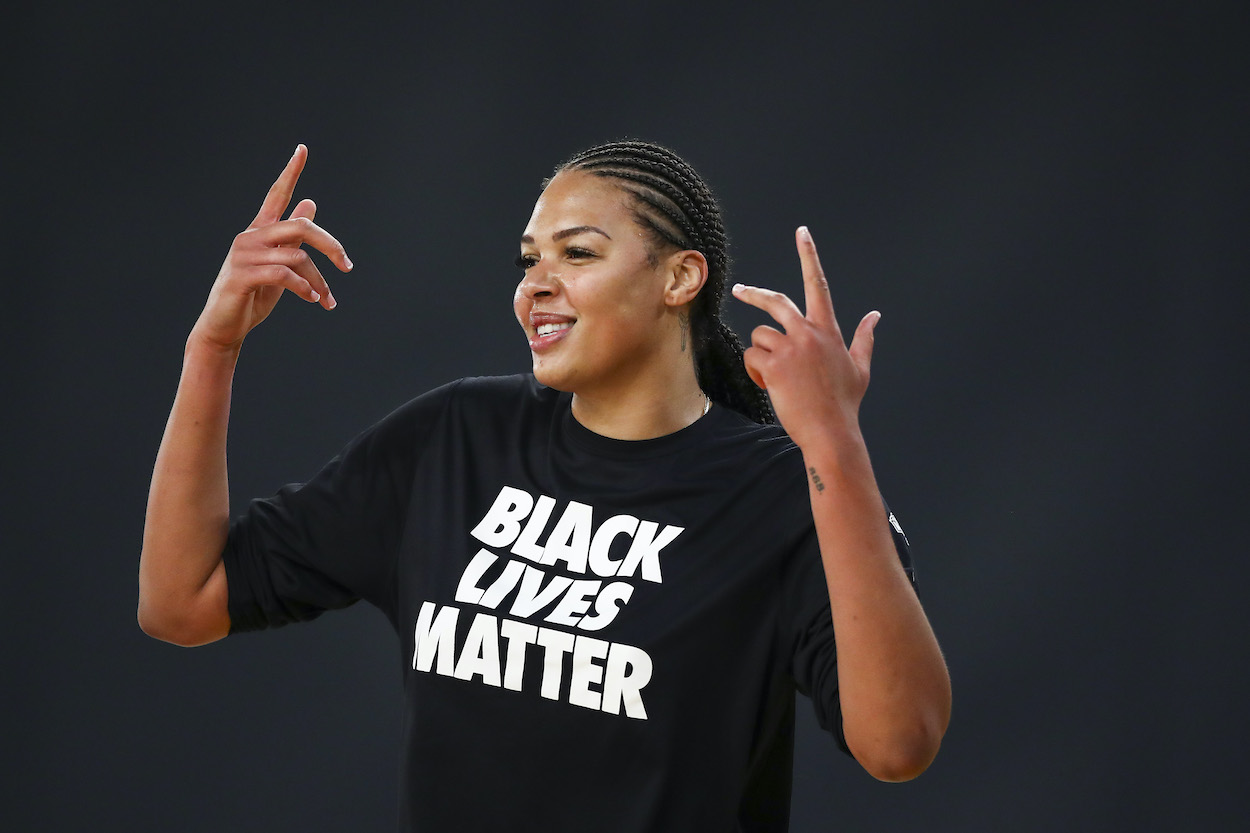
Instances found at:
x=642 y=412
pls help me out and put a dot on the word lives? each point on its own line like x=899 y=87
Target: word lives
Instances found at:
x=576 y=577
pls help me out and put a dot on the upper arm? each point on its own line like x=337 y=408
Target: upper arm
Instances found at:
x=335 y=539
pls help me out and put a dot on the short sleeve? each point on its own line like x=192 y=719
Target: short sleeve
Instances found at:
x=324 y=544
x=814 y=664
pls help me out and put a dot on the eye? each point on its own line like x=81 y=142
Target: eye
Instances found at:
x=525 y=261
x=577 y=252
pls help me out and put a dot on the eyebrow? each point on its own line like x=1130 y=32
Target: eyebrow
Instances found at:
x=568 y=232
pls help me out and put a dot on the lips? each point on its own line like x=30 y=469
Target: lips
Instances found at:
x=549 y=328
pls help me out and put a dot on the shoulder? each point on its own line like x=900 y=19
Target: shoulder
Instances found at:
x=518 y=388
x=730 y=452
x=485 y=400
x=767 y=446
x=470 y=405
x=475 y=391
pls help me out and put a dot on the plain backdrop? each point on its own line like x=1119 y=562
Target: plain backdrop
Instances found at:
x=1046 y=201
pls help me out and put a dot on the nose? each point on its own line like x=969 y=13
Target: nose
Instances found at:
x=538 y=282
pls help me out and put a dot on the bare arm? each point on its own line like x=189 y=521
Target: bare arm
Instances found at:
x=182 y=581
x=893 y=684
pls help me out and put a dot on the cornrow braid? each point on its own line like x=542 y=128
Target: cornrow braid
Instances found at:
x=676 y=207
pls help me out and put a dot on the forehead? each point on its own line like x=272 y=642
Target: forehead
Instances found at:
x=577 y=198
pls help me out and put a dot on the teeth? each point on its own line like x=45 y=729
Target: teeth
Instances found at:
x=548 y=329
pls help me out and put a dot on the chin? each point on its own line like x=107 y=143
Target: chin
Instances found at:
x=553 y=378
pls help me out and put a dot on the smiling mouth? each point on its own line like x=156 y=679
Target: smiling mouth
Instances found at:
x=548 y=334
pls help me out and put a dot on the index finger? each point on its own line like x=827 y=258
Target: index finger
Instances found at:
x=816 y=299
x=279 y=196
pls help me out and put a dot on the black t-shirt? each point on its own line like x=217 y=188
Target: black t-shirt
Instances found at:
x=596 y=634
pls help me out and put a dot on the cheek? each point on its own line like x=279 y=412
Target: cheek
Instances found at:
x=520 y=304
x=637 y=301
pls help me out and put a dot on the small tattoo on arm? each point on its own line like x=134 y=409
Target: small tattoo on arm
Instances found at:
x=820 y=487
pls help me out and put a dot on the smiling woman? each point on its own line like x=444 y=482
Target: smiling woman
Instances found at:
x=610 y=576
x=608 y=319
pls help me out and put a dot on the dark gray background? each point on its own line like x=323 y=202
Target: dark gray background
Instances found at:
x=1047 y=204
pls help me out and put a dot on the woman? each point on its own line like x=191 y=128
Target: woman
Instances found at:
x=608 y=578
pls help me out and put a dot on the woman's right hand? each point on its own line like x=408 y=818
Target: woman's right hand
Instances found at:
x=265 y=260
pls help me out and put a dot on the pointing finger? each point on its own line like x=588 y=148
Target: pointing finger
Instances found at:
x=279 y=196
x=815 y=286
x=779 y=306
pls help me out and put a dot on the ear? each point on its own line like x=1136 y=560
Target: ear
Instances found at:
x=687 y=272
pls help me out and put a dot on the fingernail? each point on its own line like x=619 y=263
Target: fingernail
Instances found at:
x=738 y=288
x=315 y=296
x=347 y=261
x=330 y=299
x=805 y=233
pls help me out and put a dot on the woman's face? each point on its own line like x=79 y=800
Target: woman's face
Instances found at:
x=591 y=303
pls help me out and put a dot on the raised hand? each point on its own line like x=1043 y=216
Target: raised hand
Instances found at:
x=815 y=382
x=266 y=259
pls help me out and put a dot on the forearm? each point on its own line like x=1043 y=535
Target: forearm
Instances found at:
x=182 y=595
x=893 y=683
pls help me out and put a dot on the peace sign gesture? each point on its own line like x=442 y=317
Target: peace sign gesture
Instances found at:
x=815 y=383
x=266 y=259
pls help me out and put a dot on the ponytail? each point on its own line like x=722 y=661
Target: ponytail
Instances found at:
x=724 y=378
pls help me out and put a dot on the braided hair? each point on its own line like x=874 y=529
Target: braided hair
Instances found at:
x=676 y=208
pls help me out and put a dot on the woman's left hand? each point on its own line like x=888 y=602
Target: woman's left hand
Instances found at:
x=814 y=381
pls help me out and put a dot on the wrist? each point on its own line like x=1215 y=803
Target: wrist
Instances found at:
x=207 y=364
x=201 y=347
x=840 y=457
x=834 y=444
